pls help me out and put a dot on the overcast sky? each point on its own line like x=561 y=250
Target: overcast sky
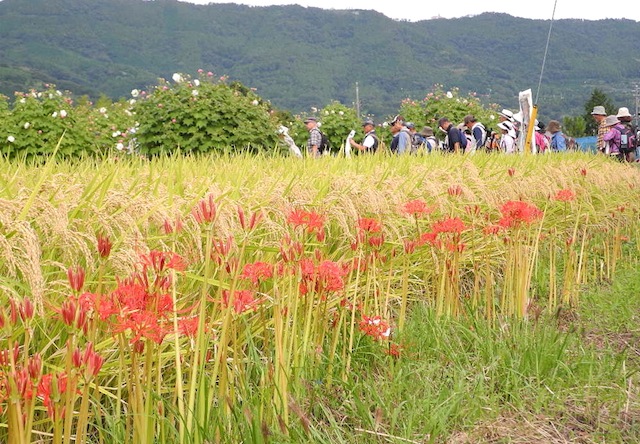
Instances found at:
x=422 y=9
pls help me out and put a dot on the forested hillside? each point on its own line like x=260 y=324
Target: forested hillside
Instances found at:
x=303 y=57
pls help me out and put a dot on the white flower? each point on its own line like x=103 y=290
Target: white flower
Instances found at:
x=39 y=95
x=23 y=100
x=63 y=114
x=58 y=92
x=176 y=77
x=128 y=113
x=116 y=134
x=326 y=113
x=119 y=146
x=255 y=102
x=196 y=82
x=449 y=95
x=194 y=92
x=135 y=93
x=26 y=125
x=132 y=102
x=11 y=139
x=314 y=109
x=102 y=110
x=492 y=117
x=55 y=114
x=341 y=113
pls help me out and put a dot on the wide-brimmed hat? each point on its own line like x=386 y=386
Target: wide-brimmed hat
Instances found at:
x=508 y=127
x=623 y=112
x=610 y=121
x=506 y=114
x=310 y=119
x=598 y=111
x=427 y=131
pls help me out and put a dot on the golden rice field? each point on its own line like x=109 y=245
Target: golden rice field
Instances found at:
x=169 y=300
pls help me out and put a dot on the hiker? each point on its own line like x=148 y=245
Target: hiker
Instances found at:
x=430 y=141
x=542 y=142
x=508 y=139
x=611 y=137
x=478 y=131
x=454 y=144
x=370 y=142
x=416 y=138
x=628 y=150
x=558 y=141
x=315 y=137
x=401 y=142
x=599 y=114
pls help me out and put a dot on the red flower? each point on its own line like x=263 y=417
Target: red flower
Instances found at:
x=416 y=208
x=565 y=195
x=375 y=327
x=369 y=225
x=205 y=211
x=455 y=190
x=517 y=212
x=160 y=261
x=104 y=246
x=76 y=277
x=313 y=221
x=242 y=300
x=449 y=225
x=257 y=272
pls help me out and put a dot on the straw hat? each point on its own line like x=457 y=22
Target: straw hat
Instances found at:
x=553 y=126
x=427 y=131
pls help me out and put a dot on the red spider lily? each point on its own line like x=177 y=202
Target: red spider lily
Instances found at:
x=369 y=225
x=34 y=367
x=92 y=361
x=326 y=276
x=312 y=221
x=172 y=227
x=428 y=238
x=160 y=261
x=410 y=246
x=455 y=190
x=26 y=310
x=221 y=249
x=449 y=225
x=394 y=350
x=375 y=327
x=11 y=356
x=376 y=241
x=517 y=212
x=255 y=218
x=242 y=300
x=257 y=272
x=50 y=389
x=416 y=208
x=583 y=171
x=492 y=229
x=188 y=326
x=76 y=277
x=74 y=314
x=205 y=211
x=511 y=172
x=291 y=251
x=104 y=246
x=565 y=195
x=142 y=325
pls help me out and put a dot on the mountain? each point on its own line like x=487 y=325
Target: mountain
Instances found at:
x=300 y=57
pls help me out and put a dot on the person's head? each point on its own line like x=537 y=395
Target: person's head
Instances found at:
x=624 y=115
x=311 y=122
x=427 y=131
x=444 y=123
x=469 y=120
x=553 y=126
x=505 y=116
x=610 y=121
x=507 y=127
x=598 y=113
x=411 y=127
x=396 y=124
x=368 y=125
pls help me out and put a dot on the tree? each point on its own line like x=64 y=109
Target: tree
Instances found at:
x=598 y=98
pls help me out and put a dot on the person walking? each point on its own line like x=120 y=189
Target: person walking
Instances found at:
x=478 y=131
x=599 y=114
x=315 y=137
x=558 y=142
x=628 y=153
x=401 y=142
x=455 y=144
x=370 y=142
x=508 y=139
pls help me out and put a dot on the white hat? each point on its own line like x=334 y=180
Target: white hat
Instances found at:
x=508 y=127
x=624 y=112
x=518 y=117
x=506 y=114
x=610 y=121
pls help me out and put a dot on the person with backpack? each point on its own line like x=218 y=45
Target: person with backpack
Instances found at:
x=629 y=133
x=401 y=142
x=456 y=140
x=315 y=144
x=613 y=137
x=508 y=139
x=430 y=141
x=370 y=142
x=478 y=131
x=558 y=142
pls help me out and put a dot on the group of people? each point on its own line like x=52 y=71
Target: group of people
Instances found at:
x=616 y=136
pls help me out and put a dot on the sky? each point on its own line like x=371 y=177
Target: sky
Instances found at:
x=415 y=10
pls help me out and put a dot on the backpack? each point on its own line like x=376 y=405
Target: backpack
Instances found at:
x=628 y=141
x=325 y=144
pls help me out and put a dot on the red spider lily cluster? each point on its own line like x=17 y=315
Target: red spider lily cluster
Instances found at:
x=565 y=195
x=311 y=221
x=417 y=208
x=516 y=213
x=323 y=276
x=375 y=327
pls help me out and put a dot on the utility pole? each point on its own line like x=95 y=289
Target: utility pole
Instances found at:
x=358 y=102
